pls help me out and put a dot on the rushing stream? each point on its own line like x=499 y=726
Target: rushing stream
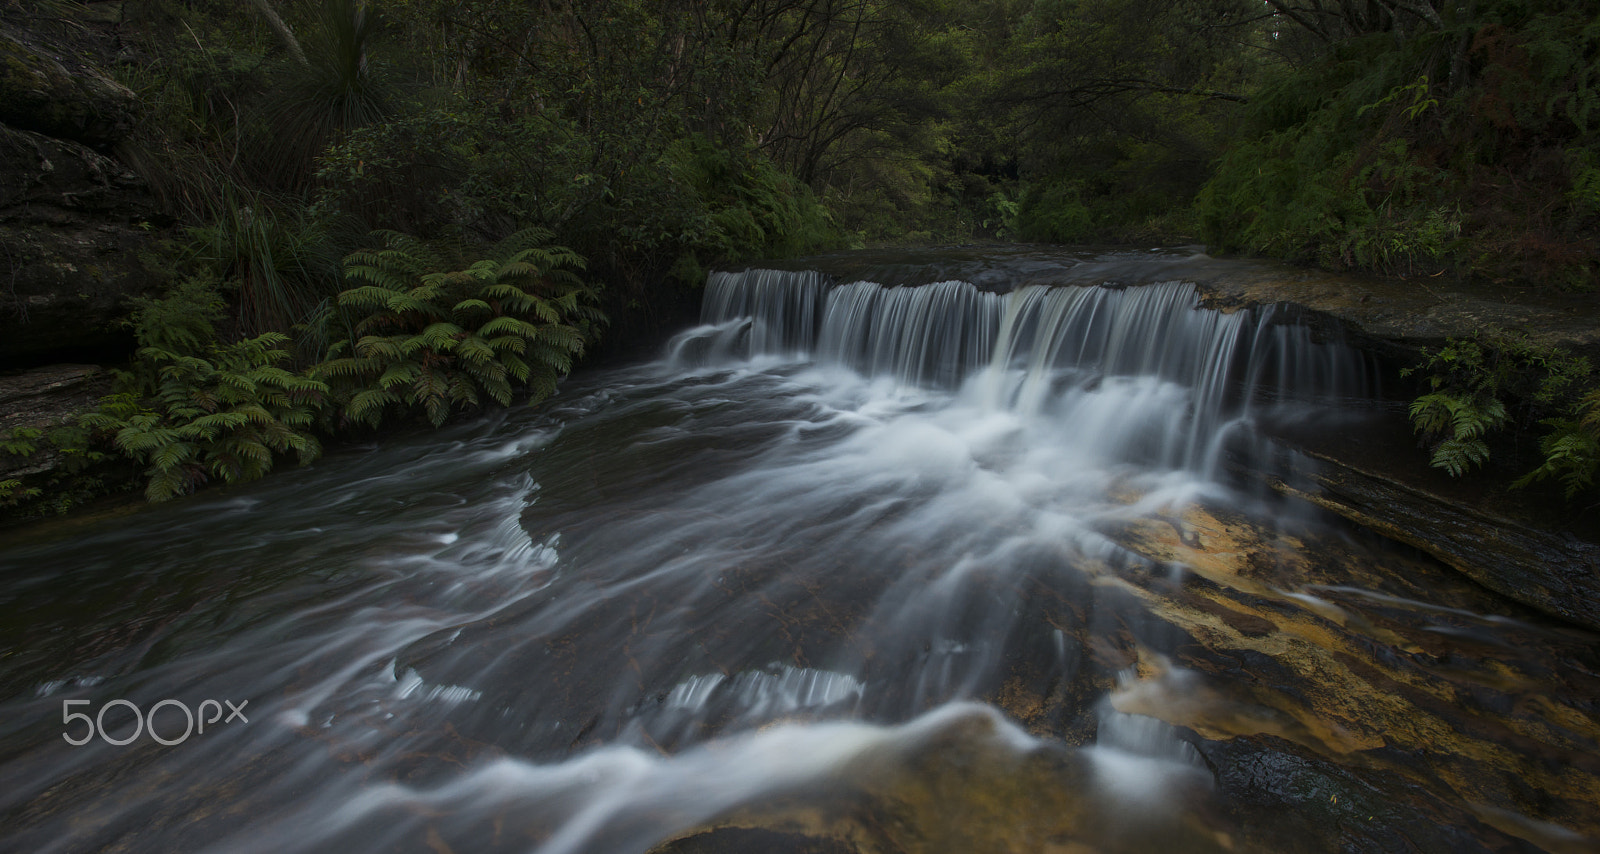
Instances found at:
x=849 y=569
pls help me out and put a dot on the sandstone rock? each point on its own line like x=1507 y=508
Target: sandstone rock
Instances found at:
x=1555 y=572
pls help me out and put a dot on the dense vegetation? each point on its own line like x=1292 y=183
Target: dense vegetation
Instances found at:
x=397 y=209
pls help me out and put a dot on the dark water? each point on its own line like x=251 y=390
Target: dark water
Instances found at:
x=849 y=569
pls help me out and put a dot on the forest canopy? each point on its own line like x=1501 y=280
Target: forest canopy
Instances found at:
x=403 y=208
x=658 y=137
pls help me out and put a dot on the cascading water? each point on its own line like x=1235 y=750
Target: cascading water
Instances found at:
x=851 y=569
x=1147 y=367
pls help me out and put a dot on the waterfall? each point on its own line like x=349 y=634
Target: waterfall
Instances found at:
x=781 y=305
x=854 y=568
x=1164 y=378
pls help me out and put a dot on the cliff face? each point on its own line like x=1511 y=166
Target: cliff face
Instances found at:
x=73 y=221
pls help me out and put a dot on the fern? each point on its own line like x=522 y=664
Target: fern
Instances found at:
x=13 y=493
x=441 y=336
x=1458 y=455
x=194 y=409
x=1470 y=377
x=1458 y=424
x=22 y=442
x=1571 y=450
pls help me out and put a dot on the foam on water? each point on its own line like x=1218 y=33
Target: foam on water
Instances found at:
x=624 y=799
x=788 y=558
x=1144 y=372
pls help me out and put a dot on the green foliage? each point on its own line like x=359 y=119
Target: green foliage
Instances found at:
x=1338 y=180
x=640 y=210
x=740 y=206
x=1571 y=449
x=195 y=409
x=431 y=334
x=281 y=258
x=14 y=494
x=1501 y=366
x=21 y=442
x=1107 y=110
x=74 y=469
x=328 y=87
x=1473 y=378
x=1458 y=426
x=1054 y=212
x=1441 y=147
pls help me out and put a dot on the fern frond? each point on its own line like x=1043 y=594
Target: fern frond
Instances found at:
x=367 y=406
x=438 y=337
x=507 y=326
x=509 y=344
x=1571 y=455
x=1433 y=414
x=517 y=368
x=217 y=422
x=167 y=483
x=1457 y=456
x=172 y=455
x=369 y=297
x=347 y=367
x=376 y=349
x=531 y=239
x=438 y=409
x=400 y=374
x=1473 y=420
x=475 y=350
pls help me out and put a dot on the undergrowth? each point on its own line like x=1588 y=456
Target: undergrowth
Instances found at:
x=430 y=333
x=1496 y=383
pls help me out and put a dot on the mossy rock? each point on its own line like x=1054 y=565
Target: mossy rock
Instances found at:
x=52 y=93
x=73 y=224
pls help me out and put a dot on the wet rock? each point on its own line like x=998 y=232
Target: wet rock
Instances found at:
x=1556 y=573
x=48 y=396
x=1384 y=684
x=739 y=840
x=967 y=787
x=1313 y=799
x=1397 y=317
x=73 y=221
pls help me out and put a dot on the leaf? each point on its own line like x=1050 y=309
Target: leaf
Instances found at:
x=1457 y=456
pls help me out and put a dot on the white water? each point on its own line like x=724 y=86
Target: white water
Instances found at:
x=804 y=550
x=1148 y=374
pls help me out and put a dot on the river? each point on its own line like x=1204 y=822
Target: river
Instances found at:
x=849 y=568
